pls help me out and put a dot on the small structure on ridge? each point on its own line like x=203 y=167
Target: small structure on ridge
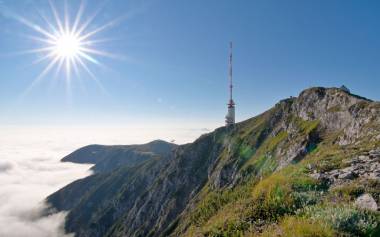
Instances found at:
x=230 y=117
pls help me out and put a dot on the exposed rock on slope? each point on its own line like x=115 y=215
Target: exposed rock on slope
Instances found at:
x=365 y=166
x=366 y=201
x=242 y=180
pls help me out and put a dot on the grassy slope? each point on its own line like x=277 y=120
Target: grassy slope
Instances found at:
x=284 y=203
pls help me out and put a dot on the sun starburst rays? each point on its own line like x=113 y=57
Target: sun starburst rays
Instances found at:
x=67 y=45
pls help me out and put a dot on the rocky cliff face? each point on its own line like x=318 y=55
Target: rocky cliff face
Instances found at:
x=326 y=136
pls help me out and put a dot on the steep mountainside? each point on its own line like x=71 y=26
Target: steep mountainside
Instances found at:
x=310 y=166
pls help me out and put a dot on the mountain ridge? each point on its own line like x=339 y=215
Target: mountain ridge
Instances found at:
x=188 y=192
x=109 y=157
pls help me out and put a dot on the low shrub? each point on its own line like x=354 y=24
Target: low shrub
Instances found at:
x=214 y=201
x=285 y=192
x=348 y=191
x=230 y=221
x=292 y=226
x=234 y=228
x=345 y=218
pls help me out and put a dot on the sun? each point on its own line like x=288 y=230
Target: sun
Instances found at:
x=67 y=46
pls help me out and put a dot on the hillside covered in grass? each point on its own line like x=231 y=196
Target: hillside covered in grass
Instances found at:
x=310 y=166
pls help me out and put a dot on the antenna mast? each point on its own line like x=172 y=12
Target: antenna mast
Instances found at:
x=230 y=71
x=230 y=117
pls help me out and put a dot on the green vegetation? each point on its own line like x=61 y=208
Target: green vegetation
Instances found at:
x=306 y=127
x=333 y=109
x=354 y=189
x=264 y=165
x=250 y=205
x=279 y=194
x=263 y=161
x=345 y=218
x=292 y=226
x=289 y=202
x=213 y=201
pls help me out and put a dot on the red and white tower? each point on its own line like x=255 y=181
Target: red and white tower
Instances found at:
x=230 y=117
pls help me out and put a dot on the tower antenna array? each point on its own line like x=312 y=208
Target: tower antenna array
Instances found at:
x=230 y=117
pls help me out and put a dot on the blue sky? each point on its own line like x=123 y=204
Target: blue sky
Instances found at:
x=171 y=58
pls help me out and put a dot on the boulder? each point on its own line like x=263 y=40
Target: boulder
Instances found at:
x=347 y=173
x=366 y=201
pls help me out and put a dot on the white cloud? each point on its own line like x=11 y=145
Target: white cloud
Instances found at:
x=30 y=169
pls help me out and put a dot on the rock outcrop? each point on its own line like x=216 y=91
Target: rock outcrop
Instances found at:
x=366 y=165
x=366 y=201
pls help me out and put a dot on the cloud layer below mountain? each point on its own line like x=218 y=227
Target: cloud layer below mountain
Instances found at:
x=30 y=170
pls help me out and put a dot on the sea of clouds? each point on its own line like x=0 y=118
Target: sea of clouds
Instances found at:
x=30 y=170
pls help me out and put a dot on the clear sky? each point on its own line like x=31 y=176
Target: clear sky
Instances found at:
x=169 y=59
